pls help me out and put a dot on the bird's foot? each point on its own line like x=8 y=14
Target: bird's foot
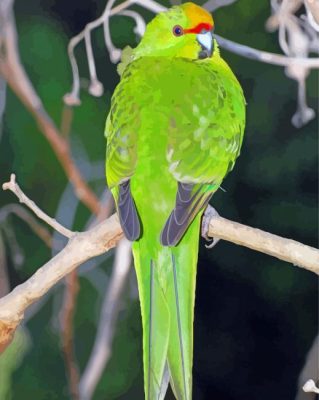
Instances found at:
x=209 y=213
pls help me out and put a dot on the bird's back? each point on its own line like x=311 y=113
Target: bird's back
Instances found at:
x=172 y=119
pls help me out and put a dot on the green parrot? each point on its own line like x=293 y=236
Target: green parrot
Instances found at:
x=174 y=130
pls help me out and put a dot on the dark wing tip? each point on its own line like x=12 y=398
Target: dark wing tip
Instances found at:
x=181 y=216
x=189 y=200
x=127 y=213
x=131 y=232
x=172 y=232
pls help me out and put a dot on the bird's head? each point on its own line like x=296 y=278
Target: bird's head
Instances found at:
x=182 y=31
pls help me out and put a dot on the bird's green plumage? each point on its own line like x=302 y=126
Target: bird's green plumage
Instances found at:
x=173 y=119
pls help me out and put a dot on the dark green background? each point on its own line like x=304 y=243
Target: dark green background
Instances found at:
x=255 y=317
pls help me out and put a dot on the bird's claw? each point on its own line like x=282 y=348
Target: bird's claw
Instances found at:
x=209 y=213
x=213 y=244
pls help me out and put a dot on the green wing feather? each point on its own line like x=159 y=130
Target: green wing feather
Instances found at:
x=206 y=131
x=121 y=131
x=172 y=121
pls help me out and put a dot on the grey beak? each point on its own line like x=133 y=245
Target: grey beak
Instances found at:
x=206 y=42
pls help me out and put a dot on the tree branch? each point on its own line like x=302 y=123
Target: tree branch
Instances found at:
x=95 y=87
x=296 y=253
x=101 y=238
x=13 y=72
x=80 y=248
x=265 y=56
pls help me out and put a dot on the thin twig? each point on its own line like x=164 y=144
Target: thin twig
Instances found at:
x=14 y=187
x=72 y=98
x=265 y=56
x=102 y=348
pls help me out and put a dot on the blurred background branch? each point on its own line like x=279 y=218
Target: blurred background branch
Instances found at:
x=40 y=230
x=67 y=332
x=13 y=72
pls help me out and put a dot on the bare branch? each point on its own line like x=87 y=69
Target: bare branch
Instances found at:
x=297 y=38
x=14 y=187
x=101 y=352
x=73 y=98
x=288 y=250
x=300 y=33
x=304 y=114
x=83 y=246
x=140 y=23
x=80 y=248
x=296 y=67
x=115 y=54
x=264 y=56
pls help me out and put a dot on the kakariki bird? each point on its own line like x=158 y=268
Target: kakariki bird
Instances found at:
x=174 y=130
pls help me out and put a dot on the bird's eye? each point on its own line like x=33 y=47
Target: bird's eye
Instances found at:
x=178 y=30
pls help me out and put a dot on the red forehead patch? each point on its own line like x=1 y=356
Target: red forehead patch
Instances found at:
x=199 y=28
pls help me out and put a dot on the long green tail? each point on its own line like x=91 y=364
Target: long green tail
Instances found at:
x=166 y=279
